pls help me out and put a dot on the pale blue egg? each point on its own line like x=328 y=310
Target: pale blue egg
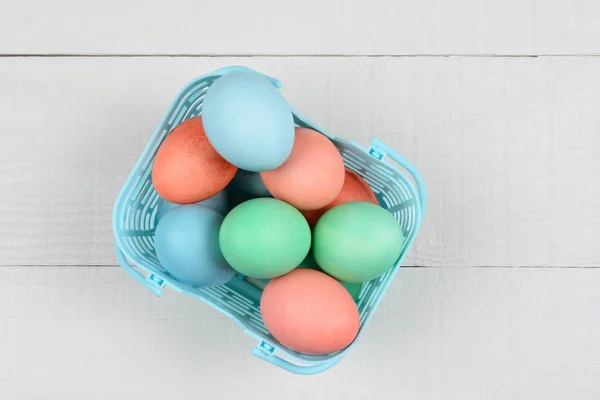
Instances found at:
x=248 y=121
x=187 y=245
x=219 y=202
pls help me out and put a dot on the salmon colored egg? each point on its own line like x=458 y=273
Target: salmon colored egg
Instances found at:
x=354 y=189
x=309 y=312
x=313 y=174
x=187 y=169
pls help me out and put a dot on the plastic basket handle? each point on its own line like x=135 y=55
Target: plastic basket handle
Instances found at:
x=378 y=145
x=267 y=355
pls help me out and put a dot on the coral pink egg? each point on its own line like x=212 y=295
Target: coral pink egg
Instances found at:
x=313 y=174
x=310 y=312
x=187 y=169
x=354 y=189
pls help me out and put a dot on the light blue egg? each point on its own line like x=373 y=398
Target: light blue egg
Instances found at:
x=251 y=183
x=248 y=122
x=219 y=202
x=187 y=245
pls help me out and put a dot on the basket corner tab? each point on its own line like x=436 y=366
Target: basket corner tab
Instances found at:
x=377 y=152
x=265 y=347
x=156 y=282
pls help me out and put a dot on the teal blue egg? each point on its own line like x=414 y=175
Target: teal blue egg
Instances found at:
x=248 y=121
x=219 y=202
x=250 y=182
x=187 y=245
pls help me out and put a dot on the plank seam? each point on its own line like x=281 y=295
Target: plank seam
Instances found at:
x=275 y=55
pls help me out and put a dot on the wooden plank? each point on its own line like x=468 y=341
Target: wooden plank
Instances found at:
x=509 y=147
x=460 y=333
x=356 y=27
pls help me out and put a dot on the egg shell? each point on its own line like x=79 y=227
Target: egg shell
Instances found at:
x=264 y=238
x=187 y=245
x=187 y=169
x=248 y=121
x=313 y=174
x=219 y=202
x=354 y=189
x=245 y=186
x=357 y=241
x=250 y=182
x=309 y=312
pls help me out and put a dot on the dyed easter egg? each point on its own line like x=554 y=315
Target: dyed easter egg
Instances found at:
x=187 y=245
x=313 y=174
x=357 y=241
x=250 y=182
x=248 y=121
x=187 y=169
x=309 y=312
x=264 y=238
x=219 y=202
x=354 y=189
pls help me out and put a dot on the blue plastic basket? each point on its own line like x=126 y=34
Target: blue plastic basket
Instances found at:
x=134 y=221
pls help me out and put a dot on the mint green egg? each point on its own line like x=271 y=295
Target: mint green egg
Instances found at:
x=264 y=238
x=356 y=242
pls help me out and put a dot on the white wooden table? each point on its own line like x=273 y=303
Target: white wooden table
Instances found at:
x=497 y=103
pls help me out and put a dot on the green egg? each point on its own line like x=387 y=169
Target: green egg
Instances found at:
x=264 y=238
x=356 y=242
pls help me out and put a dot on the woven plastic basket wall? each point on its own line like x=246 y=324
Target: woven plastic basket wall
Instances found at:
x=134 y=221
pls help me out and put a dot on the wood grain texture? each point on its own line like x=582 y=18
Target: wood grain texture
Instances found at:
x=461 y=333
x=508 y=147
x=357 y=27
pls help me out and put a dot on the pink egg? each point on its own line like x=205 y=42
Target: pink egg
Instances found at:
x=309 y=312
x=313 y=174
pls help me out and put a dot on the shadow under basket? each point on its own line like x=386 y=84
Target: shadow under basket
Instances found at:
x=134 y=221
